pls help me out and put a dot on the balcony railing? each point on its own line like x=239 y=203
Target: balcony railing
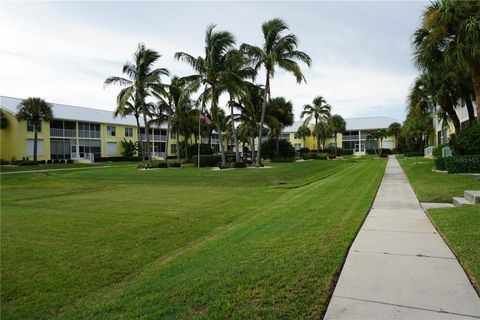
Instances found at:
x=153 y=137
x=88 y=134
x=56 y=132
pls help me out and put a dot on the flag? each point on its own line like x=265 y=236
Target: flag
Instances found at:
x=205 y=118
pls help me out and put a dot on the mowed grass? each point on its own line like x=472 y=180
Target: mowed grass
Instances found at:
x=461 y=229
x=433 y=186
x=9 y=168
x=180 y=243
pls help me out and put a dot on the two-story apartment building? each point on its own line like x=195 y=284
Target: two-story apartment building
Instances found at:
x=442 y=131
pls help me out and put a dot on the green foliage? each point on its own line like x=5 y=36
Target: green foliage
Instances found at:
x=463 y=164
x=205 y=149
x=239 y=165
x=385 y=151
x=340 y=151
x=285 y=149
x=467 y=142
x=118 y=159
x=153 y=164
x=315 y=156
x=437 y=152
x=440 y=163
x=207 y=160
x=304 y=150
x=130 y=147
x=174 y=164
x=413 y=154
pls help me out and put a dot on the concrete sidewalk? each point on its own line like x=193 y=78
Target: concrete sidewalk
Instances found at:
x=399 y=267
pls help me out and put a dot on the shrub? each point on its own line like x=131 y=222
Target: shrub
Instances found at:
x=321 y=156
x=437 y=152
x=69 y=161
x=269 y=148
x=207 y=160
x=174 y=164
x=304 y=151
x=283 y=159
x=129 y=148
x=440 y=163
x=56 y=161
x=467 y=142
x=332 y=156
x=230 y=156
x=239 y=165
x=4 y=162
x=463 y=164
x=153 y=164
x=49 y=161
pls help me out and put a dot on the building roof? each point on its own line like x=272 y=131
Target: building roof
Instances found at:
x=73 y=113
x=366 y=123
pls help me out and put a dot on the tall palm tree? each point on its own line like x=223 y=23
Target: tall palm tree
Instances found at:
x=143 y=80
x=126 y=105
x=319 y=110
x=324 y=131
x=278 y=49
x=279 y=114
x=35 y=110
x=303 y=132
x=450 y=34
x=337 y=124
x=239 y=64
x=212 y=71
x=394 y=129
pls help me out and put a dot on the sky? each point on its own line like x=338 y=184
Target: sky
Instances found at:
x=64 y=51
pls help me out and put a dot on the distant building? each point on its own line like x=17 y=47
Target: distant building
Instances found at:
x=443 y=131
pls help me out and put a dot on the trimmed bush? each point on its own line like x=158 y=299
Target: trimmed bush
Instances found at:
x=49 y=161
x=117 y=159
x=379 y=151
x=321 y=156
x=174 y=164
x=152 y=165
x=440 y=163
x=205 y=149
x=463 y=164
x=239 y=165
x=26 y=163
x=207 y=160
x=437 y=152
x=4 y=162
x=332 y=156
x=303 y=151
x=467 y=142
x=269 y=149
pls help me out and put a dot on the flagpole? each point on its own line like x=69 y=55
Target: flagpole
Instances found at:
x=199 y=138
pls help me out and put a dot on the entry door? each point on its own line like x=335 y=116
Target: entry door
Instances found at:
x=81 y=151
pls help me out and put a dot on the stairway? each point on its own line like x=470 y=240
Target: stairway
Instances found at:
x=469 y=197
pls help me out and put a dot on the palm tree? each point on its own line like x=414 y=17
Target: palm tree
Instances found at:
x=35 y=110
x=319 y=110
x=279 y=114
x=280 y=50
x=212 y=71
x=382 y=134
x=304 y=132
x=337 y=124
x=324 y=131
x=395 y=129
x=450 y=34
x=142 y=82
x=126 y=105
x=373 y=137
x=238 y=64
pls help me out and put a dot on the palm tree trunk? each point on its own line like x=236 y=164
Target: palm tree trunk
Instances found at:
x=168 y=131
x=470 y=109
x=317 y=136
x=452 y=115
x=178 y=147
x=139 y=141
x=335 y=141
x=147 y=134
x=235 y=139
x=214 y=108
x=186 y=147
x=252 y=138
x=475 y=72
x=35 y=138
x=262 y=117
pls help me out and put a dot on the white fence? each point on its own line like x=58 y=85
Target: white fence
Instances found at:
x=428 y=152
x=446 y=152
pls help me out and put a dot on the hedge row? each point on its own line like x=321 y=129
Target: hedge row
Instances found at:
x=207 y=160
x=413 y=154
x=283 y=159
x=384 y=151
x=158 y=164
x=463 y=164
x=320 y=156
x=117 y=159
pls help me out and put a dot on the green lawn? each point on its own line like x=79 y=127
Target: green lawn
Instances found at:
x=435 y=186
x=62 y=166
x=461 y=229
x=180 y=243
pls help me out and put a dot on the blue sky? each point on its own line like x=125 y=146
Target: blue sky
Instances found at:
x=63 y=51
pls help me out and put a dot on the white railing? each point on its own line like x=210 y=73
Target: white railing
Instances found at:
x=91 y=157
x=56 y=132
x=158 y=154
x=428 y=152
x=153 y=137
x=446 y=152
x=88 y=134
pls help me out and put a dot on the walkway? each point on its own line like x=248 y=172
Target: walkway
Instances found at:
x=398 y=266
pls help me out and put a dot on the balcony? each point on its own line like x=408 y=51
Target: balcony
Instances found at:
x=88 y=134
x=153 y=137
x=55 y=132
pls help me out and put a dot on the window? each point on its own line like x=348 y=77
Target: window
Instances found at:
x=173 y=135
x=30 y=143
x=30 y=126
x=297 y=146
x=111 y=148
x=111 y=131
x=128 y=132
